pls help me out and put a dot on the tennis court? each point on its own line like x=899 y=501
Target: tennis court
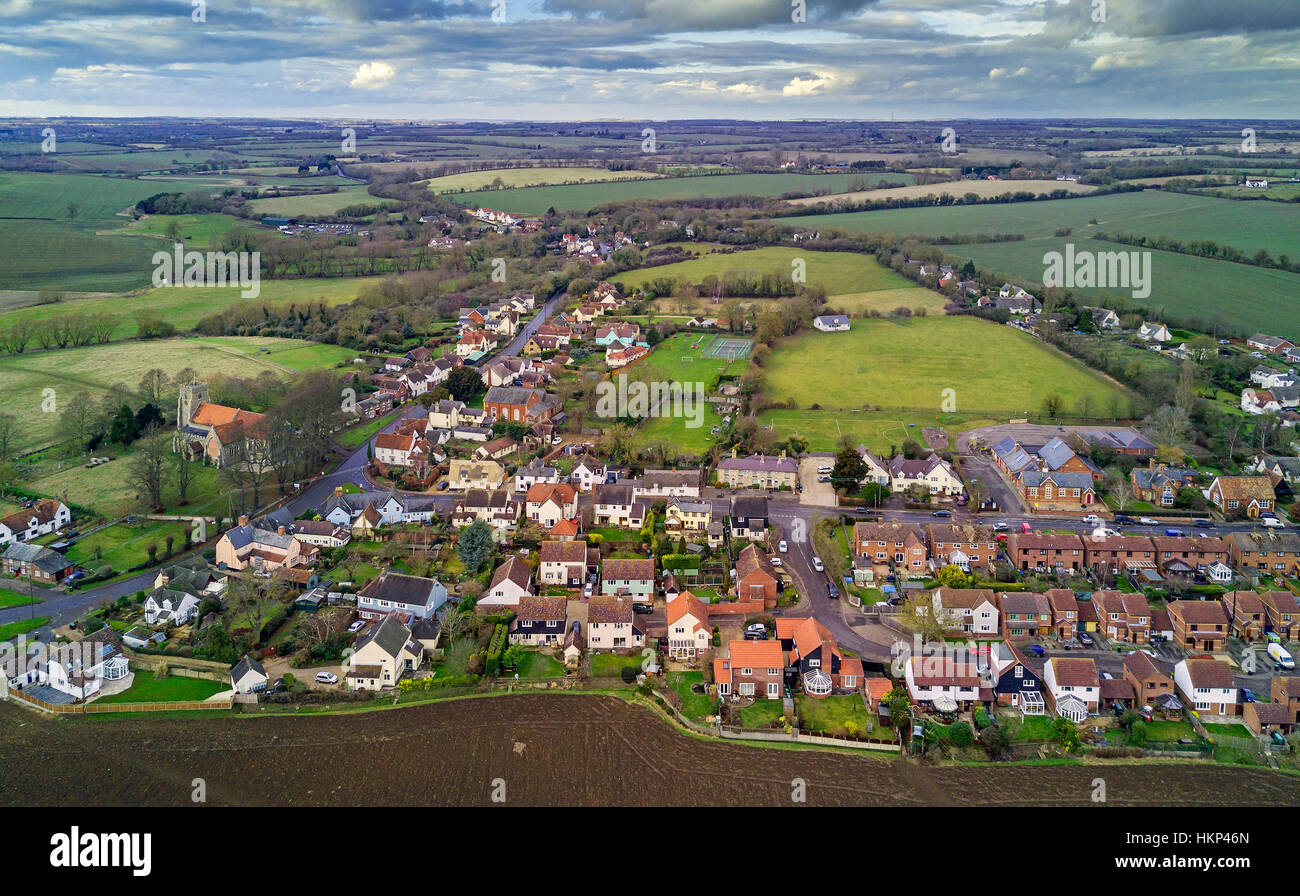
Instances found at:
x=729 y=348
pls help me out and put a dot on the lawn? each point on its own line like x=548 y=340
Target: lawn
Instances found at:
x=694 y=706
x=126 y=545
x=761 y=714
x=536 y=665
x=611 y=665
x=21 y=627
x=1235 y=729
x=833 y=715
x=360 y=434
x=991 y=370
x=528 y=177
x=14 y=599
x=877 y=430
x=147 y=689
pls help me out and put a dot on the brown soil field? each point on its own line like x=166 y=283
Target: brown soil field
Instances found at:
x=547 y=749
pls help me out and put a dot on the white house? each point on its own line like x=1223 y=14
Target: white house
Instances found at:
x=563 y=563
x=30 y=523
x=831 y=323
x=512 y=580
x=534 y=473
x=972 y=610
x=164 y=606
x=1207 y=685
x=82 y=668
x=612 y=624
x=944 y=682
x=546 y=504
x=688 y=626
x=877 y=472
x=248 y=676
x=933 y=473
x=1073 y=687
x=393 y=592
x=1150 y=332
x=384 y=653
x=587 y=473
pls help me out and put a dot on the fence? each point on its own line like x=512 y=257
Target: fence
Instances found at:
x=91 y=708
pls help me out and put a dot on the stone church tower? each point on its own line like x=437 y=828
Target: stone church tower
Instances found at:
x=191 y=396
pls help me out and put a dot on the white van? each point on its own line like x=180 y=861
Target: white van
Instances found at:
x=1280 y=657
x=1272 y=522
x=782 y=546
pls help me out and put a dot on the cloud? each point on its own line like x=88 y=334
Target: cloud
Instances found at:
x=810 y=86
x=372 y=75
x=995 y=73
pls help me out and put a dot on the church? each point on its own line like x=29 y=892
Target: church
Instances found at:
x=216 y=434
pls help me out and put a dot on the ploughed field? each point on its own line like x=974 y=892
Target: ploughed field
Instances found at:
x=547 y=749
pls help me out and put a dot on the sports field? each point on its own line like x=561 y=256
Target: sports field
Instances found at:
x=580 y=197
x=529 y=177
x=25 y=379
x=992 y=369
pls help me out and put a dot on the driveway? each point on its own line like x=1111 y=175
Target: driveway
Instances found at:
x=820 y=494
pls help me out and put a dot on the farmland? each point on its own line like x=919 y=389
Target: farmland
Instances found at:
x=579 y=197
x=419 y=756
x=993 y=369
x=470 y=181
x=96 y=370
x=982 y=188
x=316 y=204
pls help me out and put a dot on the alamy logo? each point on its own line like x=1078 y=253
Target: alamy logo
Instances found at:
x=1081 y=270
x=78 y=850
x=30 y=662
x=638 y=400
x=934 y=659
x=194 y=268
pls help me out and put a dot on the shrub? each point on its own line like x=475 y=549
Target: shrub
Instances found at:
x=960 y=734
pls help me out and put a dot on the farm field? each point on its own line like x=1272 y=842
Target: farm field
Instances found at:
x=25 y=378
x=198 y=231
x=897 y=362
x=1233 y=297
x=35 y=195
x=878 y=430
x=416 y=756
x=980 y=188
x=580 y=197
x=470 y=181
x=1248 y=226
x=314 y=204
x=184 y=307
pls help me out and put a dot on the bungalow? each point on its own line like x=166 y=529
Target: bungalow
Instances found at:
x=632 y=578
x=1271 y=344
x=394 y=592
x=384 y=653
x=39 y=564
x=1153 y=332
x=539 y=621
x=612 y=624
x=1207 y=685
x=565 y=562
x=688 y=626
x=1072 y=687
x=511 y=583
x=496 y=449
x=248 y=676
x=750 y=669
x=831 y=323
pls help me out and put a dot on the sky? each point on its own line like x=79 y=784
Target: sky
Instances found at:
x=651 y=59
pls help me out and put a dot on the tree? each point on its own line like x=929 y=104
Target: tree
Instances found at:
x=474 y=545
x=1067 y=733
x=900 y=706
x=951 y=576
x=78 y=421
x=1120 y=489
x=849 y=470
x=960 y=734
x=1052 y=405
x=148 y=468
x=124 y=429
x=1167 y=425
x=465 y=383
x=8 y=435
x=994 y=742
x=153 y=387
x=183 y=471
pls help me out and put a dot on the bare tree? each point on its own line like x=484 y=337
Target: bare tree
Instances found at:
x=149 y=467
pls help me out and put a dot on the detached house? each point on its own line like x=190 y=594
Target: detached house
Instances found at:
x=821 y=665
x=616 y=505
x=1025 y=614
x=612 y=624
x=631 y=578
x=970 y=610
x=394 y=592
x=684 y=516
x=31 y=561
x=548 y=503
x=750 y=669
x=565 y=563
x=1199 y=624
x=384 y=653
x=945 y=683
x=1073 y=688
x=511 y=583
x=1247 y=496
x=30 y=523
x=539 y=621
x=756 y=578
x=688 y=626
x=749 y=517
x=1207 y=685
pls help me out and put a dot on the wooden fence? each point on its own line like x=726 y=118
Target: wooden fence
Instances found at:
x=91 y=708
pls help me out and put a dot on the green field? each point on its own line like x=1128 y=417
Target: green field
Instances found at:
x=198 y=231
x=878 y=430
x=184 y=307
x=580 y=197
x=667 y=364
x=528 y=177
x=315 y=204
x=838 y=272
x=126 y=545
x=30 y=195
x=25 y=378
x=992 y=369
x=147 y=689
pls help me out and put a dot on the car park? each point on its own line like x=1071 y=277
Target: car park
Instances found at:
x=327 y=678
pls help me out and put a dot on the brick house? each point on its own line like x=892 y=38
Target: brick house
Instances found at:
x=1148 y=678
x=756 y=578
x=1259 y=552
x=1116 y=554
x=1196 y=553
x=964 y=546
x=518 y=403
x=1247 y=496
x=1247 y=615
x=1065 y=612
x=900 y=545
x=1283 y=613
x=751 y=669
x=1025 y=614
x=1030 y=550
x=1199 y=624
x=1123 y=617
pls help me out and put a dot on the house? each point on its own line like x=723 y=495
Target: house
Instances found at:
x=321 y=533
x=548 y=503
x=1116 y=554
x=1056 y=491
x=666 y=484
x=1121 y=441
x=964 y=546
x=463 y=474
x=1283 y=613
x=165 y=606
x=683 y=516
x=831 y=323
x=394 y=449
x=1207 y=685
x=1278 y=466
x=448 y=414
x=1284 y=690
x=1031 y=550
x=612 y=624
x=1072 y=687
x=565 y=563
x=933 y=474
x=533 y=473
x=81 y=669
x=587 y=473
x=688 y=626
x=247 y=545
x=384 y=653
x=631 y=578
x=970 y=610
x=511 y=583
x=248 y=676
x=1247 y=496
x=748 y=517
x=758 y=471
x=756 y=578
x=1123 y=617
x=945 y=683
x=894 y=545
x=1265 y=552
x=193 y=576
x=1268 y=378
x=1247 y=615
x=539 y=621
x=615 y=505
x=1160 y=483
x=1153 y=332
x=820 y=664
x=1199 y=625
x=1148 y=678
x=1104 y=318
x=498 y=508
x=1025 y=614
x=518 y=403
x=1272 y=345
x=42 y=518
x=877 y=470
x=750 y=669
x=1065 y=612
x=496 y=449
x=39 y=564
x=215 y=433
x=394 y=592
x=1183 y=555
x=1017 y=679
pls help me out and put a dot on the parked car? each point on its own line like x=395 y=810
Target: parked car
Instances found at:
x=1277 y=738
x=327 y=678
x=1204 y=524
x=945 y=514
x=1273 y=637
x=823 y=479
x=442 y=486
x=1157 y=639
x=1146 y=521
x=776 y=561
x=1037 y=650
x=1147 y=713
x=832 y=592
x=759 y=634
x=818 y=565
x=642 y=608
x=1106 y=676
x=1086 y=639
x=1175 y=533
x=1092 y=519
x=1000 y=527
x=782 y=546
x=1281 y=657
x=357 y=626
x=1026 y=528
x=278 y=687
x=1123 y=519
x=824 y=469
x=1247 y=695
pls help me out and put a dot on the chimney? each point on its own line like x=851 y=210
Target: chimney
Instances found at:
x=243 y=519
x=279 y=530
x=338 y=491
